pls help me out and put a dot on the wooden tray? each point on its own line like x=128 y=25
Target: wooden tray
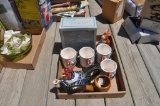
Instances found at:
x=117 y=89
x=30 y=60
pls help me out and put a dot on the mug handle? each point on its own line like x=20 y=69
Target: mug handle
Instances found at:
x=92 y=68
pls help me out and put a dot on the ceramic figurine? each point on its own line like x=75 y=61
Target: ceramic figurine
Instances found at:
x=105 y=37
x=77 y=81
x=72 y=89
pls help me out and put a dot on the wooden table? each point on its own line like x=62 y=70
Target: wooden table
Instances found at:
x=140 y=62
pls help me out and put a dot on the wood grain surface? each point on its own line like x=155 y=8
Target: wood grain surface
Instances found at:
x=139 y=62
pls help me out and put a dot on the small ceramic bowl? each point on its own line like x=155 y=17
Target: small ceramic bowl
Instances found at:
x=102 y=83
x=17 y=46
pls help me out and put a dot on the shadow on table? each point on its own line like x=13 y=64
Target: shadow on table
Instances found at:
x=122 y=33
x=125 y=15
x=54 y=90
x=99 y=2
x=57 y=47
x=101 y=20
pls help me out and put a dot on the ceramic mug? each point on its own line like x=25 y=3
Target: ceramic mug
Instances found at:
x=87 y=56
x=109 y=67
x=68 y=56
x=104 y=51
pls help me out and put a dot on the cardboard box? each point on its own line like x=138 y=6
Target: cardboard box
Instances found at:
x=150 y=25
x=148 y=37
x=137 y=34
x=117 y=89
x=78 y=32
x=132 y=30
x=28 y=62
x=112 y=10
x=35 y=13
x=151 y=10
x=61 y=1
